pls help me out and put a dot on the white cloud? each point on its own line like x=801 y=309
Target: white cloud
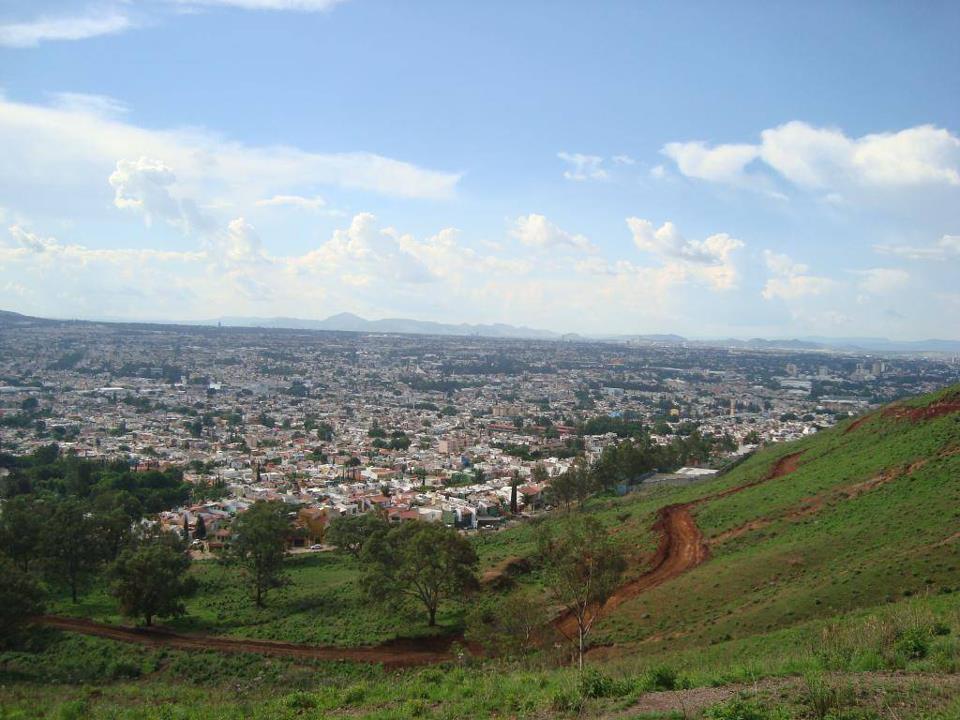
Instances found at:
x=63 y=27
x=880 y=281
x=826 y=159
x=945 y=248
x=32 y=241
x=790 y=280
x=583 y=167
x=723 y=163
x=54 y=156
x=100 y=105
x=297 y=201
x=623 y=160
x=537 y=232
x=242 y=243
x=709 y=260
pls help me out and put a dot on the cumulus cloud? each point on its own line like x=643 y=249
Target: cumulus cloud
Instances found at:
x=791 y=280
x=880 y=281
x=537 y=231
x=144 y=185
x=710 y=259
x=825 y=158
x=723 y=163
x=583 y=167
x=945 y=248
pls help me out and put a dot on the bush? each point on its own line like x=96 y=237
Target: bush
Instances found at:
x=567 y=700
x=738 y=709
x=594 y=684
x=662 y=678
x=913 y=643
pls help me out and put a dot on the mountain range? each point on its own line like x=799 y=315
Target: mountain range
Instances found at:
x=348 y=322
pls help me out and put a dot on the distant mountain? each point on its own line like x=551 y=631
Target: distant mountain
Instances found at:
x=348 y=322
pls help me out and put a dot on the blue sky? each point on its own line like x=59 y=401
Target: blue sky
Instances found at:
x=703 y=168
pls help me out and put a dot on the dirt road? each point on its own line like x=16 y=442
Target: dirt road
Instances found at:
x=398 y=653
x=681 y=547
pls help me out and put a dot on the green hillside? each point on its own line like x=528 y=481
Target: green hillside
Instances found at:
x=827 y=582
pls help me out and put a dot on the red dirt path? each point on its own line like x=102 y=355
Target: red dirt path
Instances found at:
x=681 y=547
x=398 y=653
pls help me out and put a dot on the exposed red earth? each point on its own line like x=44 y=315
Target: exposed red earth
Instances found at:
x=397 y=653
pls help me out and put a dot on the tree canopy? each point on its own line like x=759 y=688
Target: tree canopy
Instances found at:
x=426 y=562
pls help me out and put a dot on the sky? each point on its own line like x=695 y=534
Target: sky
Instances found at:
x=710 y=169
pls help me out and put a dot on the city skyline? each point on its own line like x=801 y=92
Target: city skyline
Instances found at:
x=637 y=169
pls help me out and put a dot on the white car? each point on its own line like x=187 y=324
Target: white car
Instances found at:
x=316 y=547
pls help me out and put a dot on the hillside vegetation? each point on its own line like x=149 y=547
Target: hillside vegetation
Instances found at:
x=815 y=579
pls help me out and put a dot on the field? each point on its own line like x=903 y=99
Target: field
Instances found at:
x=826 y=583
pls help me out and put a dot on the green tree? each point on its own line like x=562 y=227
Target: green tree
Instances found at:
x=426 y=562
x=259 y=546
x=200 y=531
x=73 y=546
x=22 y=526
x=20 y=599
x=351 y=532
x=149 y=578
x=514 y=483
x=582 y=567
x=509 y=626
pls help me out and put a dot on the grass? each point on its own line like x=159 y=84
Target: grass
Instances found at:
x=320 y=605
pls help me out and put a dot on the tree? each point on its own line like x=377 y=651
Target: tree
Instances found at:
x=427 y=562
x=115 y=514
x=22 y=525
x=259 y=546
x=514 y=483
x=200 y=531
x=582 y=567
x=149 y=578
x=351 y=532
x=73 y=545
x=20 y=599
x=507 y=626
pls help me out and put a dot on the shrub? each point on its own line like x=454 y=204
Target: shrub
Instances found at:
x=567 y=700
x=913 y=643
x=662 y=678
x=738 y=709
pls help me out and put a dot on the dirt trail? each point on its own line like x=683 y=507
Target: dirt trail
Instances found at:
x=681 y=548
x=398 y=653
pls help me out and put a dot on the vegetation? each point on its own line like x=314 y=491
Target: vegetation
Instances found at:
x=831 y=590
x=582 y=568
x=149 y=578
x=259 y=547
x=423 y=561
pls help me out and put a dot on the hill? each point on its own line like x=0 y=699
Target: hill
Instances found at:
x=814 y=579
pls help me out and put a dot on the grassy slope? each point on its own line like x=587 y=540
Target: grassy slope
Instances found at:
x=831 y=544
